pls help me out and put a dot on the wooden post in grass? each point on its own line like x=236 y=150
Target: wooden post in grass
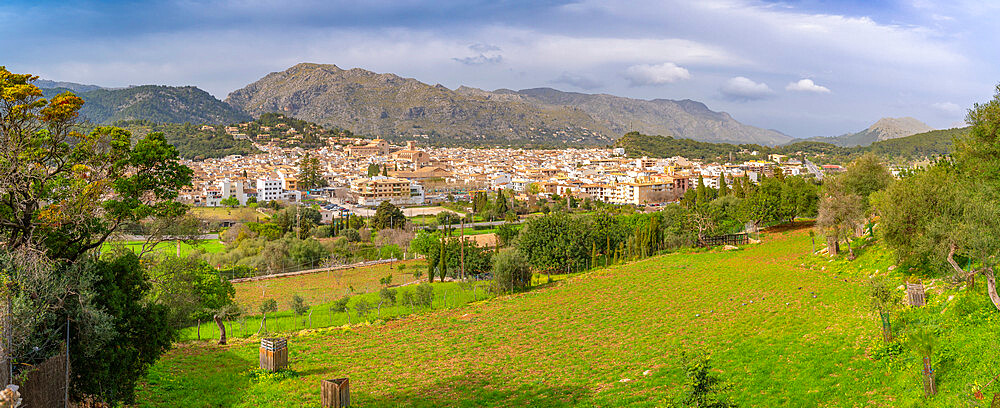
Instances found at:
x=335 y=393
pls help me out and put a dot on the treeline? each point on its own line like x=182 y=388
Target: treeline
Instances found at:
x=916 y=147
x=192 y=142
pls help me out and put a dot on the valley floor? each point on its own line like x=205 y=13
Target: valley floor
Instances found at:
x=781 y=334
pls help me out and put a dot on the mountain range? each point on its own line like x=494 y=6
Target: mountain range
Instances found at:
x=883 y=129
x=397 y=108
x=154 y=103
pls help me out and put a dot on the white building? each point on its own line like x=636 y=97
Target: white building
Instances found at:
x=270 y=190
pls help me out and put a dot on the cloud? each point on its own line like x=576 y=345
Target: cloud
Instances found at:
x=488 y=54
x=646 y=74
x=743 y=89
x=577 y=80
x=480 y=59
x=806 y=85
x=948 y=107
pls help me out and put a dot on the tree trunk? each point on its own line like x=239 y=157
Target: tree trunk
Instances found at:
x=850 y=250
x=222 y=329
x=991 y=286
x=969 y=276
x=833 y=246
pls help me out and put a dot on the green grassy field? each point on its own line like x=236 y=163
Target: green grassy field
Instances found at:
x=169 y=247
x=784 y=328
x=240 y=214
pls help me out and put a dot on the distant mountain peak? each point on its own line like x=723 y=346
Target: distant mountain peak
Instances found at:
x=893 y=128
x=883 y=129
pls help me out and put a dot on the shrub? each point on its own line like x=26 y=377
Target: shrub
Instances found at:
x=299 y=305
x=510 y=272
x=362 y=307
x=388 y=296
x=351 y=234
x=323 y=231
x=386 y=281
x=406 y=298
x=340 y=305
x=424 y=295
x=269 y=306
x=401 y=266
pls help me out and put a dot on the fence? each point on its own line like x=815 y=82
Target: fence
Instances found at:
x=316 y=270
x=728 y=239
x=47 y=384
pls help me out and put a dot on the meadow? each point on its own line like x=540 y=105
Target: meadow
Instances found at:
x=168 y=247
x=782 y=332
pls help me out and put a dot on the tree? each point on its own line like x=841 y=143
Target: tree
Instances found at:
x=554 y=242
x=702 y=385
x=310 y=175
x=388 y=215
x=64 y=193
x=268 y=306
x=373 y=170
x=190 y=288
x=230 y=201
x=510 y=272
x=299 y=305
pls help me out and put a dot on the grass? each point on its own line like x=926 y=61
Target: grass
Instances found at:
x=324 y=287
x=781 y=332
x=169 y=247
x=447 y=295
x=239 y=214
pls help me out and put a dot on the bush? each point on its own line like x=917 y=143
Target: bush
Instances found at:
x=351 y=234
x=510 y=272
x=362 y=307
x=424 y=295
x=299 y=305
x=388 y=296
x=406 y=298
x=269 y=306
x=323 y=231
x=340 y=305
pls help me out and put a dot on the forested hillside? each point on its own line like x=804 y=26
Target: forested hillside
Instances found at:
x=192 y=142
x=916 y=147
x=154 y=103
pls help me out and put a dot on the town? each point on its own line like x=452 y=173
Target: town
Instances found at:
x=412 y=175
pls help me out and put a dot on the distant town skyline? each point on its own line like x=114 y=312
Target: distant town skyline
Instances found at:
x=806 y=68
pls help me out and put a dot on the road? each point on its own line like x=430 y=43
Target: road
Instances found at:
x=814 y=170
x=481 y=224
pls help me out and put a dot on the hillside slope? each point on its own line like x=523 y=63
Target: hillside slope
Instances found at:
x=782 y=335
x=154 y=103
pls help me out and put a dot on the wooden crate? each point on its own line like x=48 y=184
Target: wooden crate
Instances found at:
x=915 y=292
x=335 y=393
x=273 y=354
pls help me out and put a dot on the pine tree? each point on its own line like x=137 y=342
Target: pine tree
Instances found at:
x=723 y=188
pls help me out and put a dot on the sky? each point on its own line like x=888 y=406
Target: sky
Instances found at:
x=806 y=68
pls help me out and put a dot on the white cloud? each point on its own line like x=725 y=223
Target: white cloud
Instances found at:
x=806 y=85
x=744 y=89
x=647 y=74
x=948 y=107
